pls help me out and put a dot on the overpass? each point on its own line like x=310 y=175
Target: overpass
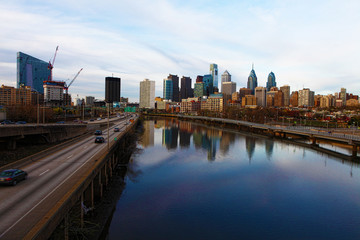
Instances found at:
x=69 y=177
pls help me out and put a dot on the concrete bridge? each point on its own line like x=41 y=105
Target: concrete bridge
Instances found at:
x=49 y=132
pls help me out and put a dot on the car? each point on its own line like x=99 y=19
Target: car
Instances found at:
x=99 y=119
x=98 y=132
x=7 y=122
x=116 y=129
x=12 y=176
x=60 y=122
x=20 y=122
x=99 y=140
x=91 y=120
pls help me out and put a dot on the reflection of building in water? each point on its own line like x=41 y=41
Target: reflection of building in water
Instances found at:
x=185 y=139
x=269 y=147
x=227 y=138
x=250 y=146
x=197 y=139
x=170 y=136
x=160 y=123
x=148 y=135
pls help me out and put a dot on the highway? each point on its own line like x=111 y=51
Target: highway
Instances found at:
x=49 y=179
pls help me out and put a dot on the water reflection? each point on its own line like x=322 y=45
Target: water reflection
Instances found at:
x=202 y=137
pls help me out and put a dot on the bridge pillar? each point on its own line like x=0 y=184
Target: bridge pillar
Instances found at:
x=89 y=196
x=110 y=163
x=354 y=150
x=104 y=175
x=98 y=186
x=313 y=141
x=11 y=144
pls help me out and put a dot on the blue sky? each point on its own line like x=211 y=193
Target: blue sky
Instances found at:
x=312 y=44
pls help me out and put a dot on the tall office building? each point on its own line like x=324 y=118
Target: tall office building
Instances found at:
x=294 y=99
x=168 y=89
x=89 y=100
x=228 y=88
x=260 y=95
x=271 y=81
x=147 y=94
x=112 y=89
x=225 y=77
x=342 y=96
x=286 y=91
x=175 y=85
x=306 y=98
x=208 y=84
x=185 y=90
x=214 y=74
x=252 y=81
x=31 y=72
x=279 y=99
x=199 y=90
x=53 y=93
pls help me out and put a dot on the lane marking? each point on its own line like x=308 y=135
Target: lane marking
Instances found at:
x=47 y=196
x=44 y=172
x=70 y=156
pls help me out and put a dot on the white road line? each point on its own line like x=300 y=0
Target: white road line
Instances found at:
x=44 y=172
x=70 y=156
x=46 y=196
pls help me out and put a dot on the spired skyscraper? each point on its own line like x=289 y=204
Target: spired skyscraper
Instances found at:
x=214 y=73
x=271 y=81
x=252 y=81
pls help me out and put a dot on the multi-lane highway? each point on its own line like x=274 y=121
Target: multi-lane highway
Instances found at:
x=49 y=178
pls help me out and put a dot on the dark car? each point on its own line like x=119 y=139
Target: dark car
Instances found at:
x=91 y=120
x=99 y=140
x=116 y=129
x=7 y=122
x=12 y=176
x=20 y=122
x=98 y=132
x=60 y=122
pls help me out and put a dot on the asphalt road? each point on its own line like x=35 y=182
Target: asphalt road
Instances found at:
x=23 y=205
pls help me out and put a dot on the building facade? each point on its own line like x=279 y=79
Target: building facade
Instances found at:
x=31 y=72
x=175 y=87
x=112 y=89
x=147 y=94
x=185 y=90
x=306 y=98
x=208 y=84
x=286 y=91
x=260 y=95
x=225 y=77
x=228 y=88
x=168 y=89
x=16 y=96
x=54 y=93
x=199 y=89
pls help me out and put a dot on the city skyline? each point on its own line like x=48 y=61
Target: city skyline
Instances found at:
x=134 y=41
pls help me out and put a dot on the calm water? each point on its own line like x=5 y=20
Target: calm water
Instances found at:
x=194 y=182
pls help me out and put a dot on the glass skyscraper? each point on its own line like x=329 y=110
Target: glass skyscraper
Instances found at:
x=168 y=89
x=31 y=72
x=252 y=81
x=271 y=81
x=214 y=74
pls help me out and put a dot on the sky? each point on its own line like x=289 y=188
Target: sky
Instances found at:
x=307 y=44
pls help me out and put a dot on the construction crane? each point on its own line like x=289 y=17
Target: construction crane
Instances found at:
x=51 y=64
x=66 y=87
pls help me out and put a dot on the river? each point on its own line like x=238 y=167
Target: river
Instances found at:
x=191 y=181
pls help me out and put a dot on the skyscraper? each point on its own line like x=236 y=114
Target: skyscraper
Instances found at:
x=228 y=88
x=185 y=91
x=31 y=72
x=286 y=90
x=147 y=94
x=214 y=74
x=112 y=89
x=342 y=96
x=225 y=77
x=252 y=81
x=208 y=84
x=168 y=89
x=306 y=98
x=271 y=81
x=260 y=94
x=175 y=85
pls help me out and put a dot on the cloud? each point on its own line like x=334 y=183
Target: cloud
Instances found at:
x=304 y=43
